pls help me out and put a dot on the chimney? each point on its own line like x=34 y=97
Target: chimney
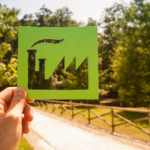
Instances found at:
x=42 y=65
x=31 y=59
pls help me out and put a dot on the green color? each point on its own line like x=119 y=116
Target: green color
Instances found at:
x=80 y=44
x=23 y=145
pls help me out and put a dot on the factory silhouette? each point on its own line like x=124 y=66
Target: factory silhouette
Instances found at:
x=36 y=79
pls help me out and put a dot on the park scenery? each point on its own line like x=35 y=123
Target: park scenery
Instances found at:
x=123 y=41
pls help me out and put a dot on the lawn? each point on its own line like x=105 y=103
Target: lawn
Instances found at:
x=24 y=145
x=125 y=129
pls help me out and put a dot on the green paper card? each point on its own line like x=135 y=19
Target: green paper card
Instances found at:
x=47 y=46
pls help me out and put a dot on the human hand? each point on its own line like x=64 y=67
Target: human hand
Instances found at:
x=12 y=123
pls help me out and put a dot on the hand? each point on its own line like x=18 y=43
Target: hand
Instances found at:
x=15 y=116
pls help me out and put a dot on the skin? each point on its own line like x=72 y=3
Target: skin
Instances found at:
x=15 y=117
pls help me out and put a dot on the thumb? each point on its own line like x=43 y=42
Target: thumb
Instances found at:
x=18 y=102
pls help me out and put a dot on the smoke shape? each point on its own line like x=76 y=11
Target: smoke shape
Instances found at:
x=68 y=57
x=49 y=41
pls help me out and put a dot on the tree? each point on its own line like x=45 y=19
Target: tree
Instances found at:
x=43 y=18
x=65 y=19
x=8 y=33
x=92 y=22
x=107 y=40
x=75 y=79
x=131 y=60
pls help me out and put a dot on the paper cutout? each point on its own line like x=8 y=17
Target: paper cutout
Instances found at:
x=48 y=46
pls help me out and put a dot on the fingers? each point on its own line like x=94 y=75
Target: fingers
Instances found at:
x=25 y=126
x=28 y=113
x=18 y=102
x=30 y=100
x=13 y=103
x=26 y=119
x=3 y=106
x=7 y=94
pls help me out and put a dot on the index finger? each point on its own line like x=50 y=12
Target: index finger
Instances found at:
x=7 y=94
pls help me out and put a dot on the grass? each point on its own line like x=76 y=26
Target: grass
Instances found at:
x=24 y=145
x=126 y=129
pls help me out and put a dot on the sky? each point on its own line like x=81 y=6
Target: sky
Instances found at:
x=82 y=9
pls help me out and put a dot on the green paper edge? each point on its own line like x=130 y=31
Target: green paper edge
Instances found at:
x=80 y=44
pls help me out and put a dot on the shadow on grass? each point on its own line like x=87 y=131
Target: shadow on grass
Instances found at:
x=134 y=115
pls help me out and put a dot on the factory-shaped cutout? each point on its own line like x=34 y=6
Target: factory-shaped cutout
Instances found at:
x=58 y=62
x=70 y=78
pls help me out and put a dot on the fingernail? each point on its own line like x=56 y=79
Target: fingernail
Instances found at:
x=20 y=91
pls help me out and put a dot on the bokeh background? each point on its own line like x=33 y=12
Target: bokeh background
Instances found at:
x=123 y=46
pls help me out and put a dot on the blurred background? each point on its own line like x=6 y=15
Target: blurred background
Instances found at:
x=123 y=40
x=123 y=46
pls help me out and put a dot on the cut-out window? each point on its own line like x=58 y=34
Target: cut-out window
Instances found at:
x=70 y=79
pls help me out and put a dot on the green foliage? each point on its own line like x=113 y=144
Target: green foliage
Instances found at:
x=123 y=47
x=75 y=79
x=23 y=145
x=43 y=18
x=8 y=33
x=92 y=22
x=106 y=46
x=46 y=18
x=69 y=80
x=65 y=20
x=131 y=60
x=4 y=48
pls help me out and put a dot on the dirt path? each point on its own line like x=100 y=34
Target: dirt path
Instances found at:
x=51 y=133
